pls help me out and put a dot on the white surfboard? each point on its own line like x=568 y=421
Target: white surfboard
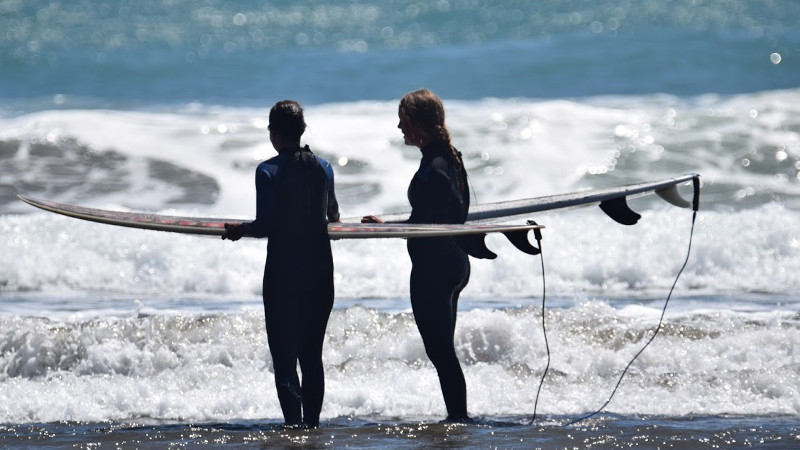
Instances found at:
x=612 y=200
x=479 y=222
x=216 y=226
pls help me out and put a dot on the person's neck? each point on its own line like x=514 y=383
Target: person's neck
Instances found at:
x=431 y=145
x=284 y=145
x=424 y=143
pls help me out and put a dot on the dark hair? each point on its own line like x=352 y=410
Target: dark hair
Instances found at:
x=286 y=119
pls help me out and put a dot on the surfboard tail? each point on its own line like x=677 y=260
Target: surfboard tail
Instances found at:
x=617 y=207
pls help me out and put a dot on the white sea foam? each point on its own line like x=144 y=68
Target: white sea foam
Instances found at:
x=514 y=148
x=216 y=367
x=106 y=323
x=584 y=252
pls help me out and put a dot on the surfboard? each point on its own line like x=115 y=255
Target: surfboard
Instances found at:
x=612 y=200
x=216 y=226
x=482 y=219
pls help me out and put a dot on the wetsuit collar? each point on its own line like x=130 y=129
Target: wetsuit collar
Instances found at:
x=304 y=148
x=434 y=148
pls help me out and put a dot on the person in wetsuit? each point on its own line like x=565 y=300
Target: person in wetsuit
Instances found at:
x=438 y=193
x=295 y=201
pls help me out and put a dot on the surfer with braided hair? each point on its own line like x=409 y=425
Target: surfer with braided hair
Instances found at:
x=295 y=201
x=438 y=193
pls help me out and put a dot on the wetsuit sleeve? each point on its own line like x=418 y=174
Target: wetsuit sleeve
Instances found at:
x=333 y=204
x=265 y=204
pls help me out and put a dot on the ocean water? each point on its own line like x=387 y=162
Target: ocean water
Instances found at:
x=129 y=338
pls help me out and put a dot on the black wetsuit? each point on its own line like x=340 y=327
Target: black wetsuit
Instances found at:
x=295 y=201
x=439 y=193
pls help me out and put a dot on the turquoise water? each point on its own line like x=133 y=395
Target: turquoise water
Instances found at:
x=149 y=53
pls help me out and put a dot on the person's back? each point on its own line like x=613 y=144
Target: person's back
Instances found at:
x=301 y=202
x=298 y=233
x=295 y=200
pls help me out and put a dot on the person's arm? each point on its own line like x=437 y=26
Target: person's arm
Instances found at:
x=333 y=204
x=265 y=203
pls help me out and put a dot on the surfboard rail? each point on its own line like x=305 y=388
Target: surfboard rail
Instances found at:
x=482 y=219
x=612 y=200
x=216 y=226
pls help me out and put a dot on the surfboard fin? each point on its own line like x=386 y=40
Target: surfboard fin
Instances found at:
x=671 y=195
x=618 y=209
x=520 y=240
x=474 y=245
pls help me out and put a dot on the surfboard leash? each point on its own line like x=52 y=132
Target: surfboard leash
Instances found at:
x=695 y=207
x=538 y=235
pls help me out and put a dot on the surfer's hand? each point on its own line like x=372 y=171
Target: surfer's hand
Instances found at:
x=371 y=219
x=233 y=231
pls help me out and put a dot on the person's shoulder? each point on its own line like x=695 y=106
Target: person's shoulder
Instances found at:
x=320 y=159
x=269 y=166
x=323 y=162
x=439 y=153
x=440 y=161
x=270 y=161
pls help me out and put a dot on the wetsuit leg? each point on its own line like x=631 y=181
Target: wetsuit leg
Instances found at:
x=319 y=303
x=434 y=298
x=280 y=313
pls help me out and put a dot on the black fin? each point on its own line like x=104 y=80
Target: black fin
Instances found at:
x=475 y=246
x=520 y=240
x=617 y=209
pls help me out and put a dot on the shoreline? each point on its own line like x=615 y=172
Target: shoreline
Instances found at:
x=607 y=430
